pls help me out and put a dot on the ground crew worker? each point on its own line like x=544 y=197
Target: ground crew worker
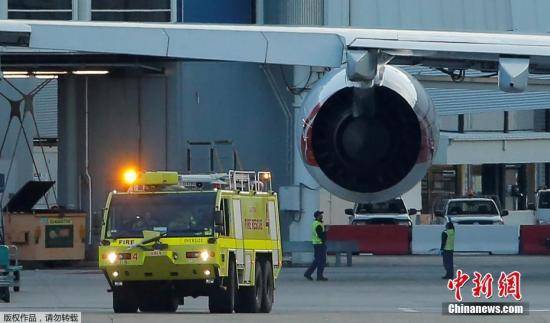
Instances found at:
x=318 y=238
x=447 y=249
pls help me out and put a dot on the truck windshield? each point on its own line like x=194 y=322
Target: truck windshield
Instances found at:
x=466 y=208
x=395 y=206
x=177 y=214
x=544 y=200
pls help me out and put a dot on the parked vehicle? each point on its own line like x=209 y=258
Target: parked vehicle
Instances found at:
x=542 y=206
x=389 y=212
x=468 y=210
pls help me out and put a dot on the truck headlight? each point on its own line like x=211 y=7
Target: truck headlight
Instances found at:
x=205 y=255
x=112 y=257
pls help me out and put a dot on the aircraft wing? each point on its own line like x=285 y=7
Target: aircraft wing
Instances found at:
x=311 y=46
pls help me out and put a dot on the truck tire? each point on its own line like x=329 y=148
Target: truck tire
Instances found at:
x=16 y=278
x=268 y=295
x=161 y=305
x=159 y=301
x=250 y=297
x=124 y=300
x=168 y=302
x=222 y=299
x=5 y=294
x=171 y=304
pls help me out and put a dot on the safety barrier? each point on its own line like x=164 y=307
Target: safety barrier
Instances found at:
x=336 y=248
x=426 y=239
x=520 y=217
x=535 y=239
x=375 y=239
x=493 y=239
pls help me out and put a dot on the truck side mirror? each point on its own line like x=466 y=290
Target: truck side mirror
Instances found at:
x=531 y=206
x=349 y=212
x=438 y=213
x=413 y=211
x=505 y=213
x=218 y=218
x=218 y=228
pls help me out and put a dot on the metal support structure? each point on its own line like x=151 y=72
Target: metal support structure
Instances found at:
x=15 y=114
x=173 y=11
x=459 y=179
x=506 y=125
x=259 y=14
x=3 y=9
x=71 y=91
x=87 y=161
x=82 y=10
x=461 y=123
x=211 y=158
x=362 y=66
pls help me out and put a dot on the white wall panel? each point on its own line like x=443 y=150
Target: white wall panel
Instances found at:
x=482 y=15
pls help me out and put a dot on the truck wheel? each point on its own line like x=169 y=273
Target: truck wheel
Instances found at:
x=222 y=300
x=250 y=297
x=159 y=301
x=148 y=306
x=124 y=300
x=5 y=294
x=171 y=304
x=268 y=295
x=16 y=278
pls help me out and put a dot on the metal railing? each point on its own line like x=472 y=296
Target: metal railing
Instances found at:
x=247 y=181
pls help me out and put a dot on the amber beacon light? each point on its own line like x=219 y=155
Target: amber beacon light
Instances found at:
x=130 y=176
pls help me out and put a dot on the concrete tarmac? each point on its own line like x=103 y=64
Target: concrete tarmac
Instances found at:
x=375 y=289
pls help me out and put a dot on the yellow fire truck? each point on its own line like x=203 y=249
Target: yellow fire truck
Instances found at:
x=171 y=236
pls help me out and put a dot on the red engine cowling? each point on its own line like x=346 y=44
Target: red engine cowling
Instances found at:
x=369 y=144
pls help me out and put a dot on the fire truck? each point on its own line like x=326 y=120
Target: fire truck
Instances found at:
x=171 y=236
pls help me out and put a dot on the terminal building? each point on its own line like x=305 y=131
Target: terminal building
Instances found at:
x=197 y=116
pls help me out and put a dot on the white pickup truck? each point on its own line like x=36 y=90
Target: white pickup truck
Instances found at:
x=542 y=207
x=468 y=210
x=392 y=212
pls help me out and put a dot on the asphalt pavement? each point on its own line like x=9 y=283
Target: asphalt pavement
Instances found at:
x=375 y=289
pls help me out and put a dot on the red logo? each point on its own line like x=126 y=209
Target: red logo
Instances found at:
x=457 y=283
x=254 y=224
x=483 y=285
x=508 y=285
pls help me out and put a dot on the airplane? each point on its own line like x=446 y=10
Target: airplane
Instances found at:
x=371 y=129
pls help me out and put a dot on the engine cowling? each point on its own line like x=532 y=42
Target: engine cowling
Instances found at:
x=369 y=144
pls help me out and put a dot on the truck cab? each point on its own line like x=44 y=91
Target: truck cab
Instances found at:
x=542 y=207
x=468 y=210
x=388 y=212
x=173 y=236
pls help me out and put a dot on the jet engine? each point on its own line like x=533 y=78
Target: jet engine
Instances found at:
x=369 y=143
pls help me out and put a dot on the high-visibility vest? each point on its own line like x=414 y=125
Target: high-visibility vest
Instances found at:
x=450 y=243
x=315 y=239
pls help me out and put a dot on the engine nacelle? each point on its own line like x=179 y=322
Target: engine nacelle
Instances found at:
x=369 y=144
